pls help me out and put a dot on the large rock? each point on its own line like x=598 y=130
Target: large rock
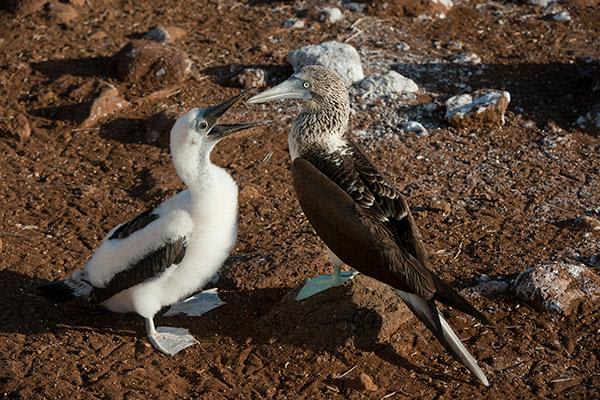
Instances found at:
x=340 y=57
x=152 y=65
x=362 y=310
x=557 y=287
x=106 y=102
x=387 y=85
x=483 y=108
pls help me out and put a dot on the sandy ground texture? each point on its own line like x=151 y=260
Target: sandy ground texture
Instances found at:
x=488 y=201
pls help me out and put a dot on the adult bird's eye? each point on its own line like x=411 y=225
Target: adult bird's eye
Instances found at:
x=305 y=85
x=202 y=125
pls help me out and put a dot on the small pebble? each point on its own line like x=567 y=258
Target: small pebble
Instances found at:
x=417 y=127
x=562 y=16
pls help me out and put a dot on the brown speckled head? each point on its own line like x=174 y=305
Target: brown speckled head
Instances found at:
x=327 y=88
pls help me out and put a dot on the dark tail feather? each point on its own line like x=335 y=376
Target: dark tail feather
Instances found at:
x=449 y=296
x=65 y=290
x=435 y=322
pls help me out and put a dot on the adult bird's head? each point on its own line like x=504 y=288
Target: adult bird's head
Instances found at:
x=321 y=88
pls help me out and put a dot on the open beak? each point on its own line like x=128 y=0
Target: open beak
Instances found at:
x=213 y=114
x=288 y=89
x=220 y=131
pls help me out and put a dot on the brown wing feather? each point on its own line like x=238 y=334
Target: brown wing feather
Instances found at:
x=389 y=247
x=352 y=234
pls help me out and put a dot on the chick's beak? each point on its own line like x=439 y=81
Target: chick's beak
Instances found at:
x=213 y=113
x=220 y=131
x=289 y=89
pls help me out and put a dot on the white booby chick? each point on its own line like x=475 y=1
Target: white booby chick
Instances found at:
x=362 y=218
x=167 y=253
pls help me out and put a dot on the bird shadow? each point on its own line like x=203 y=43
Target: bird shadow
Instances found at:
x=266 y=316
x=224 y=74
x=101 y=66
x=27 y=313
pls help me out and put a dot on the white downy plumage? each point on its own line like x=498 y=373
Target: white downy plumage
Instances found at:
x=203 y=218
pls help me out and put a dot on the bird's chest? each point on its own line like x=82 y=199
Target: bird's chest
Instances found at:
x=293 y=146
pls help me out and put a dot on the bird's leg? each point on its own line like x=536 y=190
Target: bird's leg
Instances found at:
x=196 y=305
x=168 y=340
x=321 y=283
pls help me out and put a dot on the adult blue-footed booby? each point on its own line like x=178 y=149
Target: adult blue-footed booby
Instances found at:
x=364 y=221
x=169 y=252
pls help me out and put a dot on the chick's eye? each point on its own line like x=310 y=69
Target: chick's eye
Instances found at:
x=305 y=85
x=202 y=125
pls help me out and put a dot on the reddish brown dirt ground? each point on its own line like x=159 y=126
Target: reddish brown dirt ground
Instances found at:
x=65 y=187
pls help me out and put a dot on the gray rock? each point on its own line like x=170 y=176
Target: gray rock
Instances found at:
x=482 y=108
x=340 y=57
x=590 y=121
x=562 y=16
x=403 y=46
x=466 y=58
x=557 y=287
x=489 y=287
x=541 y=3
x=330 y=14
x=252 y=78
x=416 y=127
x=294 y=23
x=386 y=85
x=355 y=7
x=164 y=34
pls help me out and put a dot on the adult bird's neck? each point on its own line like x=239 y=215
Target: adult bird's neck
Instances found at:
x=323 y=126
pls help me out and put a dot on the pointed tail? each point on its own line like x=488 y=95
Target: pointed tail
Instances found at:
x=64 y=290
x=435 y=322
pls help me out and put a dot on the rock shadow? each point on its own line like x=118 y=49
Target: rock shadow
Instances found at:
x=557 y=92
x=101 y=66
x=124 y=130
x=224 y=74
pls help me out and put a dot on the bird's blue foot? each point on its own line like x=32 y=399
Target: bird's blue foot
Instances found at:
x=323 y=282
x=196 y=305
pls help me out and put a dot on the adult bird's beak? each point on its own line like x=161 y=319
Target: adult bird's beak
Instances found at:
x=288 y=89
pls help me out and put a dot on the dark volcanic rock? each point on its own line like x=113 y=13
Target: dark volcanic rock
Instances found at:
x=158 y=127
x=363 y=309
x=152 y=65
